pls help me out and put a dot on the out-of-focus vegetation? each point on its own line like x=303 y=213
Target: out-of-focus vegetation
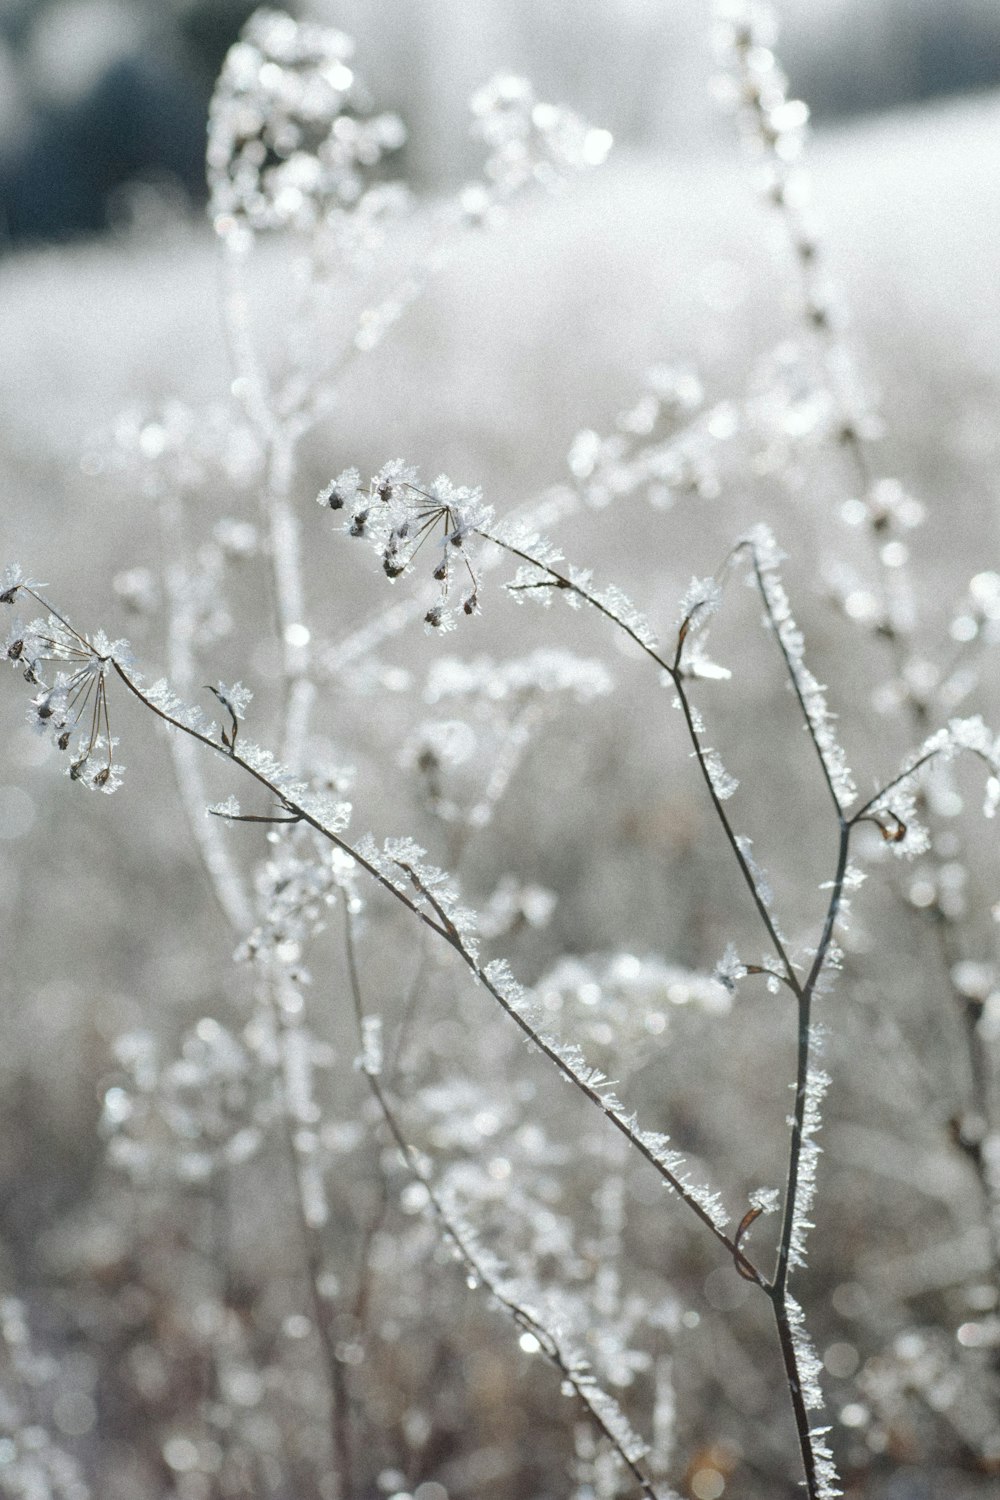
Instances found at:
x=162 y=1328
x=103 y=102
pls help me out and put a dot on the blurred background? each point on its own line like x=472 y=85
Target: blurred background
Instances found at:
x=115 y=393
x=100 y=99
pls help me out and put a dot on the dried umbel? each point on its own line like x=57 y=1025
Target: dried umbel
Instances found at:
x=73 y=707
x=401 y=516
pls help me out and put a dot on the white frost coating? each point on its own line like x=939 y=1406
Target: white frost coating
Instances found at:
x=673 y=1162
x=610 y=1415
x=699 y=604
x=817 y=1083
x=237 y=697
x=229 y=809
x=621 y=609
x=828 y=1480
x=400 y=864
x=970 y=736
x=537 y=578
x=767 y=560
x=703 y=595
x=807 y=1360
x=761 y=883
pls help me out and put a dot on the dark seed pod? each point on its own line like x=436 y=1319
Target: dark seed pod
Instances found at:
x=63 y=740
x=102 y=776
x=359 y=523
x=14 y=650
x=441 y=572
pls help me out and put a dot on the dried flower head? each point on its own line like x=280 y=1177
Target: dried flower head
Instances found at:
x=73 y=707
x=398 y=516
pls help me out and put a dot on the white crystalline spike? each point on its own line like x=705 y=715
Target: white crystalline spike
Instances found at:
x=817 y=1083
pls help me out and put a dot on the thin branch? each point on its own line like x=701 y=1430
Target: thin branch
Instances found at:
x=580 y=1381
x=445 y=929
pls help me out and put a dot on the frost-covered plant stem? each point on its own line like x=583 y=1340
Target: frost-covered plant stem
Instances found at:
x=425 y=907
x=560 y=580
x=789 y=1335
x=777 y=129
x=398 y=872
x=794 y=1347
x=481 y=1266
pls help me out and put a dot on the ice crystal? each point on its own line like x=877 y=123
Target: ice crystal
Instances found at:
x=618 y=605
x=511 y=991
x=400 y=862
